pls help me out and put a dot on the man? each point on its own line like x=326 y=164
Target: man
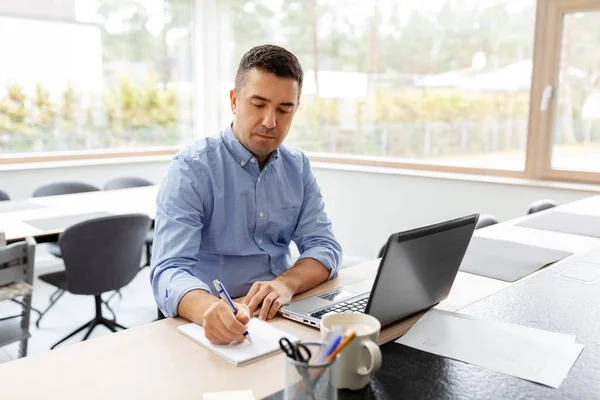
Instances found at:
x=230 y=205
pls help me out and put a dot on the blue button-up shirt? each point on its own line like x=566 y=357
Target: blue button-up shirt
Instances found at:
x=220 y=217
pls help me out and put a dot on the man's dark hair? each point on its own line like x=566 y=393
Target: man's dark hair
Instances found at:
x=269 y=58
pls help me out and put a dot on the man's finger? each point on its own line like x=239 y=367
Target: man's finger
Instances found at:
x=232 y=327
x=214 y=338
x=277 y=303
x=213 y=333
x=266 y=305
x=257 y=299
x=243 y=314
x=253 y=290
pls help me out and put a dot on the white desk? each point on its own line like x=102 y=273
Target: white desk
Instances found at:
x=135 y=200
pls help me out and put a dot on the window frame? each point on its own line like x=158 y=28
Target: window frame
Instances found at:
x=549 y=26
x=546 y=58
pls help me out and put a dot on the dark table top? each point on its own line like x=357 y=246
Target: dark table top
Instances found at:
x=546 y=301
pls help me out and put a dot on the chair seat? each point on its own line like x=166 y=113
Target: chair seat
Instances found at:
x=54 y=249
x=149 y=237
x=58 y=279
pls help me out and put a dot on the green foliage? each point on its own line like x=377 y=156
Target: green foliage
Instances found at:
x=145 y=107
x=397 y=123
x=129 y=111
x=13 y=110
x=43 y=109
x=68 y=109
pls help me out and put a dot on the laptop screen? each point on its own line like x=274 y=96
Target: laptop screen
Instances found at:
x=418 y=268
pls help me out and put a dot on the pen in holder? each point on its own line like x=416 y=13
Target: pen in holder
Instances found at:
x=308 y=379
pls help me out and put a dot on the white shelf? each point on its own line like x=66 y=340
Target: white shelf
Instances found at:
x=11 y=331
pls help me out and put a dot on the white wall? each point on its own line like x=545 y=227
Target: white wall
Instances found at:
x=365 y=206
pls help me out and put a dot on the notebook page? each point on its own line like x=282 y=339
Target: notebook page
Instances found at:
x=265 y=338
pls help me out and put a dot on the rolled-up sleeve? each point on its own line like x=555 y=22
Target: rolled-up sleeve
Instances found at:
x=177 y=237
x=314 y=234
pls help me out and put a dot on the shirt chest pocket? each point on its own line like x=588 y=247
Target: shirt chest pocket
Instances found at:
x=283 y=221
x=289 y=215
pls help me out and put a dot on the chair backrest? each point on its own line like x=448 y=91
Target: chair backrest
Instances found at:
x=540 y=205
x=58 y=188
x=4 y=196
x=103 y=254
x=485 y=220
x=126 y=182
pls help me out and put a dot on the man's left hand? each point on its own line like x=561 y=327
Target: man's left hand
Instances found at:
x=272 y=295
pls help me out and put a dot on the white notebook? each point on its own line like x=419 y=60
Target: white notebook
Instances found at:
x=265 y=338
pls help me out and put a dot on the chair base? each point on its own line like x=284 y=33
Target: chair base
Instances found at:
x=98 y=320
x=58 y=294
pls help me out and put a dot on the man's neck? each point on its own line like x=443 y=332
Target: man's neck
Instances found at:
x=261 y=160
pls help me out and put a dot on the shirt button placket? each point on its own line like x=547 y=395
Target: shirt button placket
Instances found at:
x=260 y=213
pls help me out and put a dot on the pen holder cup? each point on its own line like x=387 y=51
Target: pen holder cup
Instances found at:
x=307 y=381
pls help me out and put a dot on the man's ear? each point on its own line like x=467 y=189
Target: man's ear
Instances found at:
x=233 y=101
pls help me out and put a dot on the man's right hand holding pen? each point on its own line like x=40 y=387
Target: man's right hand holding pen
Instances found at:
x=221 y=326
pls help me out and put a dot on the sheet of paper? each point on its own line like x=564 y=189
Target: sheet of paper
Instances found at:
x=578 y=224
x=532 y=354
x=265 y=341
x=234 y=395
x=506 y=260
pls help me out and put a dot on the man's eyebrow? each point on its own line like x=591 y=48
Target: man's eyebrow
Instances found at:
x=257 y=97
x=285 y=104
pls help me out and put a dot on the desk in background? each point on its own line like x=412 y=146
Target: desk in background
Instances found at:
x=15 y=214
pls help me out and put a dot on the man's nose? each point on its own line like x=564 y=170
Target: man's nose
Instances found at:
x=269 y=120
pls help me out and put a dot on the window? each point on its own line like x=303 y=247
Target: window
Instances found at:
x=497 y=87
x=437 y=81
x=81 y=75
x=576 y=128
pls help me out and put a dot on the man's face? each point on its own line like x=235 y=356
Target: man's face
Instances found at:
x=264 y=108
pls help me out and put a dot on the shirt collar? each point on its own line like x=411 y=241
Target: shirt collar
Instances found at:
x=241 y=154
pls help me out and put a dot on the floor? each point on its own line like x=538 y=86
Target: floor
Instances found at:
x=136 y=307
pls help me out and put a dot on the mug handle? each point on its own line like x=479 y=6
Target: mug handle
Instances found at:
x=375 y=353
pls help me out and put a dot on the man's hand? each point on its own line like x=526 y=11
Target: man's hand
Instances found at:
x=272 y=295
x=222 y=327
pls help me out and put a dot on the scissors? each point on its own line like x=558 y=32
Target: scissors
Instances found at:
x=298 y=352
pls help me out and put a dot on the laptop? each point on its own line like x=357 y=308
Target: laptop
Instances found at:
x=416 y=272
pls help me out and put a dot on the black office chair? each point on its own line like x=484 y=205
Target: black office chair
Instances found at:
x=101 y=255
x=127 y=182
x=540 y=205
x=58 y=188
x=485 y=220
x=4 y=196
x=55 y=189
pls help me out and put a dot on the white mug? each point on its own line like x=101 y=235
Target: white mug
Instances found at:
x=361 y=356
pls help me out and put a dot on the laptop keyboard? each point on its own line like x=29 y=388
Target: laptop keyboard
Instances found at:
x=357 y=306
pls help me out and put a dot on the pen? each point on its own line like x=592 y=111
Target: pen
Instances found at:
x=225 y=296
x=331 y=346
x=343 y=344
